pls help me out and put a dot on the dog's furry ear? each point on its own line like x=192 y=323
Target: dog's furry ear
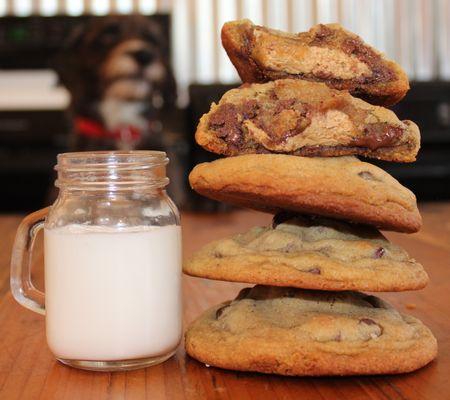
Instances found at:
x=66 y=62
x=70 y=66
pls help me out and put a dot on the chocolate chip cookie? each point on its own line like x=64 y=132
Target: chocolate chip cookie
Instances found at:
x=312 y=253
x=326 y=53
x=290 y=331
x=338 y=187
x=304 y=118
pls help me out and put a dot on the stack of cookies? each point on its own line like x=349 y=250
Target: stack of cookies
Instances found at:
x=309 y=104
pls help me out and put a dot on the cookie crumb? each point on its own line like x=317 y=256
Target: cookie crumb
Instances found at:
x=410 y=306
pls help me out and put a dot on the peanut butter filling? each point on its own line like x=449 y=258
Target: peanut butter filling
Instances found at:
x=324 y=52
x=281 y=54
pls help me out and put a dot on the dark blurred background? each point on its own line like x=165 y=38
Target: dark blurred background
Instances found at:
x=36 y=123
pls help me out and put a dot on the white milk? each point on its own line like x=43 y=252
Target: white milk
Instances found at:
x=112 y=295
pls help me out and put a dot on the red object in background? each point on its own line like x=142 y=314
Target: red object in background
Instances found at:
x=93 y=129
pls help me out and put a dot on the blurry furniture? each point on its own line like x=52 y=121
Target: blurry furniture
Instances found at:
x=32 y=121
x=428 y=105
x=32 y=131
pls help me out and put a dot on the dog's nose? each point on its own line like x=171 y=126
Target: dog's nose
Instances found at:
x=142 y=57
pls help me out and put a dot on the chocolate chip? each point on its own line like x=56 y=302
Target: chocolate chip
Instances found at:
x=376 y=329
x=279 y=118
x=355 y=46
x=249 y=109
x=284 y=105
x=224 y=121
x=368 y=176
x=287 y=118
x=380 y=134
x=351 y=45
x=379 y=252
x=223 y=114
x=338 y=337
x=217 y=254
x=288 y=248
x=321 y=36
x=367 y=321
x=281 y=217
x=315 y=271
x=220 y=310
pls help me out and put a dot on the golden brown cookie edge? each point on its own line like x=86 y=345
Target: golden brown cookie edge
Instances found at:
x=212 y=180
x=272 y=271
x=258 y=355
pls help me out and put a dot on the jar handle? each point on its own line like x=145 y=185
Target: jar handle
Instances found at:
x=22 y=287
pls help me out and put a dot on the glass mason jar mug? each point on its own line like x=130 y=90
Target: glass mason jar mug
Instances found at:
x=112 y=250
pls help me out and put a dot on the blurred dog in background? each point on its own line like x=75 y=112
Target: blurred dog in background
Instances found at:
x=118 y=73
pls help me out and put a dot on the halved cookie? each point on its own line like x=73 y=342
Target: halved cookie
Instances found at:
x=326 y=53
x=312 y=253
x=337 y=187
x=307 y=119
x=300 y=332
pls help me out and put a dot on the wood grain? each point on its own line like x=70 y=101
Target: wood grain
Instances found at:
x=28 y=370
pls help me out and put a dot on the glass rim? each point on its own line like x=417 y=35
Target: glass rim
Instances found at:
x=117 y=159
x=112 y=170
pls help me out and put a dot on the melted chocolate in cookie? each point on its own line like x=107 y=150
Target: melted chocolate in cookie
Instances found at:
x=279 y=118
x=378 y=135
x=322 y=36
x=226 y=124
x=380 y=73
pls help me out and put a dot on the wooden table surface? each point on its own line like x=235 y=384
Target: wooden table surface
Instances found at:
x=28 y=370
